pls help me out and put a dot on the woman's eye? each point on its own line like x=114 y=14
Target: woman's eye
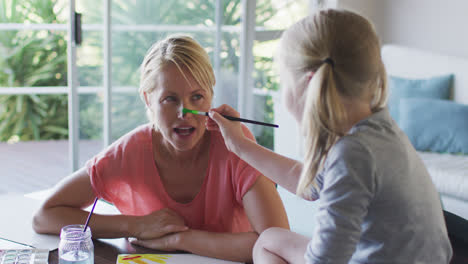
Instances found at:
x=197 y=97
x=170 y=99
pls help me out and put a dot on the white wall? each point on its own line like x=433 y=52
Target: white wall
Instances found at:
x=433 y=25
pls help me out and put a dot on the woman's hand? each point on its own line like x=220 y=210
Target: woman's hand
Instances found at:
x=158 y=224
x=168 y=242
x=231 y=131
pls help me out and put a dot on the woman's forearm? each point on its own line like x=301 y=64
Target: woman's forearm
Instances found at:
x=280 y=169
x=228 y=246
x=51 y=220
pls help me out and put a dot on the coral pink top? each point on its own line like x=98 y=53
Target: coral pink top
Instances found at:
x=126 y=175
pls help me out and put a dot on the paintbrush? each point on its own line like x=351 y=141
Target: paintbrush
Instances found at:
x=90 y=214
x=185 y=110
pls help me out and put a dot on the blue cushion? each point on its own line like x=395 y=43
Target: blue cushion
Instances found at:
x=435 y=125
x=436 y=88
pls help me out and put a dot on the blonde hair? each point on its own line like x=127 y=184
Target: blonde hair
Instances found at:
x=182 y=51
x=343 y=51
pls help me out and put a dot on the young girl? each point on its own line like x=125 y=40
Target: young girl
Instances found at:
x=377 y=201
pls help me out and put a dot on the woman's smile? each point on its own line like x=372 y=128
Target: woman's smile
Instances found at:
x=184 y=131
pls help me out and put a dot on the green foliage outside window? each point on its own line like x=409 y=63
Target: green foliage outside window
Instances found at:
x=32 y=58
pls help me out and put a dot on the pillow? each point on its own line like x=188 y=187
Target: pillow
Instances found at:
x=435 y=88
x=435 y=125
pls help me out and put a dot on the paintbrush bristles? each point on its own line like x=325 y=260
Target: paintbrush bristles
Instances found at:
x=185 y=111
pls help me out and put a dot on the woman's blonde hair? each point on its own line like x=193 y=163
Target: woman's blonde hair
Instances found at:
x=182 y=51
x=343 y=51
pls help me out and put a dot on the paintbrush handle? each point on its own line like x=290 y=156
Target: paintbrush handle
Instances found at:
x=90 y=214
x=249 y=121
x=242 y=120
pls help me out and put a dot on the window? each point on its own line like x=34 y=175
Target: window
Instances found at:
x=240 y=37
x=271 y=19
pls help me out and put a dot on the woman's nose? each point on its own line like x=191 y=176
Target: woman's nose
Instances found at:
x=184 y=105
x=180 y=111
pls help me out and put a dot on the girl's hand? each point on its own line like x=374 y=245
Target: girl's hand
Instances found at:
x=158 y=224
x=231 y=130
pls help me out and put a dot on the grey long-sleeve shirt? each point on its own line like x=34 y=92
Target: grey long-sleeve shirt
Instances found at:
x=377 y=202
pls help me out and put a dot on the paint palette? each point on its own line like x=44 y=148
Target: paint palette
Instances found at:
x=24 y=256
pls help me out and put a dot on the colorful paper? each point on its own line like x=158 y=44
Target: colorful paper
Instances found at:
x=168 y=259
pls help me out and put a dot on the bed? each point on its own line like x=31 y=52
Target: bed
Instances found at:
x=449 y=172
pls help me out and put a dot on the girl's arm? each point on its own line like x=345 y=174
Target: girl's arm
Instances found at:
x=264 y=209
x=280 y=169
x=66 y=206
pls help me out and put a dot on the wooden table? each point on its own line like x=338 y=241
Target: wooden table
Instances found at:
x=106 y=251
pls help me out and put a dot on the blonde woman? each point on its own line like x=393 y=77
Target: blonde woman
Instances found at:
x=377 y=201
x=175 y=183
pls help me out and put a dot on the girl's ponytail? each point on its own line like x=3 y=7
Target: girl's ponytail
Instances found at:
x=323 y=113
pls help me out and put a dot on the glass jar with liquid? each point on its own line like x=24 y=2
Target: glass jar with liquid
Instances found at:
x=76 y=246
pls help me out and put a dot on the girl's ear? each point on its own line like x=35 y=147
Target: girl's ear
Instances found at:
x=147 y=99
x=309 y=75
x=305 y=80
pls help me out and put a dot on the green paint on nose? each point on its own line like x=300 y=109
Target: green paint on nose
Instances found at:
x=185 y=110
